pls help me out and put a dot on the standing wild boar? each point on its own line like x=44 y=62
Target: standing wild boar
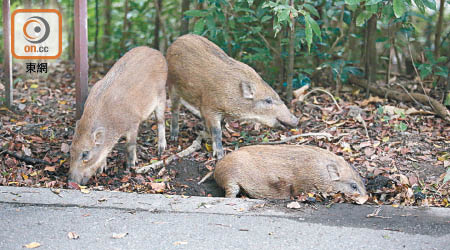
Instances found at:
x=282 y=171
x=133 y=88
x=202 y=75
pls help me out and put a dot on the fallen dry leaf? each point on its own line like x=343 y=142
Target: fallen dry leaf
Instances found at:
x=65 y=148
x=158 y=186
x=119 y=236
x=85 y=191
x=73 y=236
x=33 y=245
x=293 y=205
x=176 y=243
x=50 y=169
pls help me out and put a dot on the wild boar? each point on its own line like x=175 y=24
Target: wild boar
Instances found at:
x=134 y=88
x=283 y=171
x=203 y=76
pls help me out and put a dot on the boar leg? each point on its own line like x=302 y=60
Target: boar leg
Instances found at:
x=213 y=125
x=161 y=126
x=131 y=147
x=174 y=127
x=232 y=190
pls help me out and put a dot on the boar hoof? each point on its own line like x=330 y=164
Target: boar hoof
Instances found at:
x=173 y=136
x=219 y=154
x=161 y=149
x=130 y=165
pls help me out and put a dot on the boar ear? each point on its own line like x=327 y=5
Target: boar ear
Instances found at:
x=333 y=172
x=99 y=136
x=248 y=90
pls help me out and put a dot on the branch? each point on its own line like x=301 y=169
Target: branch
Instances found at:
x=326 y=92
x=440 y=109
x=195 y=146
x=290 y=138
x=26 y=159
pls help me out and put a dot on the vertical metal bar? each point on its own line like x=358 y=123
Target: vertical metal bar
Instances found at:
x=7 y=61
x=81 y=55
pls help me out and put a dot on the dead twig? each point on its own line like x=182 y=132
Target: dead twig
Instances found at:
x=205 y=177
x=301 y=98
x=195 y=146
x=375 y=214
x=355 y=113
x=440 y=109
x=290 y=138
x=26 y=159
x=417 y=72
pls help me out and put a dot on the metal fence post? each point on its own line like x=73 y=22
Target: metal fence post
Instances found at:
x=81 y=55
x=7 y=61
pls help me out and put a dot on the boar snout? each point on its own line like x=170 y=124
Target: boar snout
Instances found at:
x=291 y=121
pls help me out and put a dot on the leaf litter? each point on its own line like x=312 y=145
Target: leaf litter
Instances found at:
x=403 y=157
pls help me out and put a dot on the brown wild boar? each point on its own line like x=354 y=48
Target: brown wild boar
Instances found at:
x=283 y=171
x=203 y=76
x=132 y=89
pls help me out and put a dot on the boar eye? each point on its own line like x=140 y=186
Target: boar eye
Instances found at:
x=354 y=186
x=268 y=100
x=85 y=155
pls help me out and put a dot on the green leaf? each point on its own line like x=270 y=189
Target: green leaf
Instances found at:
x=441 y=59
x=308 y=33
x=265 y=18
x=199 y=26
x=403 y=127
x=352 y=2
x=447 y=100
x=362 y=18
x=371 y=2
x=399 y=8
x=431 y=4
x=196 y=13
x=315 y=26
x=250 y=2
x=419 y=5
x=283 y=15
x=311 y=9
x=447 y=175
x=373 y=9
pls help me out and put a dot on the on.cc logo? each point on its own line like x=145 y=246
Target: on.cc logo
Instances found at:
x=36 y=29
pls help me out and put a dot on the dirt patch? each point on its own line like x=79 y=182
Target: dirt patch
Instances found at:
x=189 y=173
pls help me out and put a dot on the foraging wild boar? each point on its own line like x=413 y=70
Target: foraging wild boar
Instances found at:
x=203 y=76
x=282 y=171
x=132 y=89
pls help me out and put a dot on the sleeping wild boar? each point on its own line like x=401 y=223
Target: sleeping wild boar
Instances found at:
x=204 y=77
x=283 y=171
x=133 y=89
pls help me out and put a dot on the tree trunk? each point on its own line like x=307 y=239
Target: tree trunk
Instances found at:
x=371 y=52
x=107 y=25
x=184 y=21
x=350 y=51
x=437 y=37
x=158 y=7
x=281 y=67
x=96 y=31
x=124 y=28
x=290 y=70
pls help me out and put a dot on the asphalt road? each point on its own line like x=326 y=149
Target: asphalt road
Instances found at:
x=141 y=221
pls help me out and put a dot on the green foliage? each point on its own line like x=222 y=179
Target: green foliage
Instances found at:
x=447 y=175
x=432 y=66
